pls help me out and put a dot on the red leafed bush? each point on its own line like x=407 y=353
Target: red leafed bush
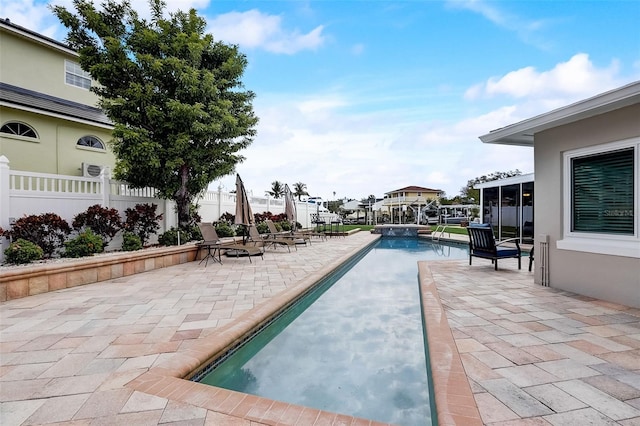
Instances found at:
x=142 y=221
x=47 y=230
x=104 y=222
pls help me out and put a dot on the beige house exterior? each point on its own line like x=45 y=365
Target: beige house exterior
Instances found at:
x=49 y=120
x=409 y=198
x=587 y=202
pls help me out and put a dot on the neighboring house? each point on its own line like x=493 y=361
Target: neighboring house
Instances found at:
x=587 y=199
x=410 y=198
x=49 y=120
x=507 y=204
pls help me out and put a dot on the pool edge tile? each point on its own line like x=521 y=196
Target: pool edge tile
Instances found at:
x=450 y=382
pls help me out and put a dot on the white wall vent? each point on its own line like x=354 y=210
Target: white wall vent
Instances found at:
x=91 y=170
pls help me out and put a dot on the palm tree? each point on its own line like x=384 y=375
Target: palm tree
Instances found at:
x=277 y=189
x=299 y=189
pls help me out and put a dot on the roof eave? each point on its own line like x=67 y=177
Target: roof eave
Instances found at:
x=522 y=133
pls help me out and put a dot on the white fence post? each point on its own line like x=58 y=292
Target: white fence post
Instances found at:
x=170 y=215
x=4 y=201
x=219 y=201
x=105 y=178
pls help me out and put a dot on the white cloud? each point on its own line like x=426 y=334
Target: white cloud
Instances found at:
x=527 y=30
x=29 y=14
x=541 y=91
x=316 y=139
x=254 y=29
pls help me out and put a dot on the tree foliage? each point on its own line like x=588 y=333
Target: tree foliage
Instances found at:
x=277 y=189
x=300 y=189
x=468 y=192
x=179 y=108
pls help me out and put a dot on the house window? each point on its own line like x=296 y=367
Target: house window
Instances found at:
x=601 y=199
x=18 y=129
x=75 y=76
x=90 y=142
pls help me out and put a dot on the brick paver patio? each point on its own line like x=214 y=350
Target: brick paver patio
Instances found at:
x=113 y=352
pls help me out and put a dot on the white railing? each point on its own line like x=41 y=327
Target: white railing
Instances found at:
x=27 y=193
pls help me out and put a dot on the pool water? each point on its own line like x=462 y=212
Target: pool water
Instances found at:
x=355 y=346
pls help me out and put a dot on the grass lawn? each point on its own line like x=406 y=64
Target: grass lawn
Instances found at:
x=348 y=228
x=453 y=229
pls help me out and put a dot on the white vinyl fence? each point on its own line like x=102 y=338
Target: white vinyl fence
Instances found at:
x=28 y=193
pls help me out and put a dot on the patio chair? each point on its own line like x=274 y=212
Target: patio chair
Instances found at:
x=214 y=245
x=257 y=239
x=482 y=243
x=298 y=237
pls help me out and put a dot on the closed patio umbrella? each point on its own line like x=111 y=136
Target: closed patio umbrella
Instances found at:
x=290 y=207
x=244 y=214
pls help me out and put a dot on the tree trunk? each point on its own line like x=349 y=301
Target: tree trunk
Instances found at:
x=183 y=199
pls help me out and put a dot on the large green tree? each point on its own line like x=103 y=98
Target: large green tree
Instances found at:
x=175 y=95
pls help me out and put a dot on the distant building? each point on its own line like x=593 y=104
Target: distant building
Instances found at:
x=405 y=204
x=49 y=119
x=507 y=204
x=587 y=207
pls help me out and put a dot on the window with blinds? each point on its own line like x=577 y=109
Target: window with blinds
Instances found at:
x=602 y=192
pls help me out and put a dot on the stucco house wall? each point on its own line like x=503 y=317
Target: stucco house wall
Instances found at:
x=32 y=61
x=607 y=277
x=33 y=91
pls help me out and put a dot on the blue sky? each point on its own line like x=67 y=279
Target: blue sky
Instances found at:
x=365 y=97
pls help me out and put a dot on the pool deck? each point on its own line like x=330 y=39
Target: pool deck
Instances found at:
x=504 y=351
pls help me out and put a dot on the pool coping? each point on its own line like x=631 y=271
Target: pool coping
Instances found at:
x=454 y=401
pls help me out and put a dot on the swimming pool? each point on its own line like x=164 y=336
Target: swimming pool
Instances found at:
x=354 y=346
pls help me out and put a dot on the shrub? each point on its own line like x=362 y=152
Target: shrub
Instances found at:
x=261 y=217
x=23 y=251
x=85 y=244
x=142 y=221
x=131 y=242
x=47 y=230
x=170 y=238
x=227 y=217
x=223 y=229
x=104 y=222
x=263 y=228
x=280 y=217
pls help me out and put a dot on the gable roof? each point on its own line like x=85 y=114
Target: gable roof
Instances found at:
x=522 y=133
x=414 y=189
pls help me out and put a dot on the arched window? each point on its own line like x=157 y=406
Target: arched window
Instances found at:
x=18 y=129
x=91 y=142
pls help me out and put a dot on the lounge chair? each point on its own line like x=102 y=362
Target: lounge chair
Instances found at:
x=214 y=245
x=257 y=239
x=482 y=243
x=297 y=237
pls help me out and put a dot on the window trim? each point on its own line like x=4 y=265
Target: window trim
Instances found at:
x=83 y=74
x=610 y=244
x=91 y=148
x=34 y=139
